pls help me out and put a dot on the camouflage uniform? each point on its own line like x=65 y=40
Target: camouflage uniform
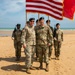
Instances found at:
x=50 y=47
x=43 y=35
x=28 y=38
x=17 y=42
x=58 y=35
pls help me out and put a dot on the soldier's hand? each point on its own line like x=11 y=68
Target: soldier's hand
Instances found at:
x=12 y=38
x=55 y=38
x=49 y=44
x=24 y=45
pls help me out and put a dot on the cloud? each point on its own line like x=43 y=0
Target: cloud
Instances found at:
x=11 y=6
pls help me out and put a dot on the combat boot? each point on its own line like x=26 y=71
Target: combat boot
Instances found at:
x=41 y=66
x=57 y=58
x=47 y=67
x=32 y=68
x=49 y=58
x=17 y=59
x=28 y=71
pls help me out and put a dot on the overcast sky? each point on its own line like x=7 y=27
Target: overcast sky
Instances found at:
x=13 y=12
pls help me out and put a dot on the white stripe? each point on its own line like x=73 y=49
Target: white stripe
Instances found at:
x=39 y=9
x=44 y=5
x=59 y=6
x=58 y=1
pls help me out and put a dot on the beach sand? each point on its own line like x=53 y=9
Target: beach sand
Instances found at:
x=64 y=66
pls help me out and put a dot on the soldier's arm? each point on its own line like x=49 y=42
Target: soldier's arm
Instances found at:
x=52 y=29
x=50 y=36
x=13 y=34
x=23 y=40
x=54 y=33
x=62 y=36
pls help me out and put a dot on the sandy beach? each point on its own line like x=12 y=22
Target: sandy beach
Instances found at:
x=64 y=66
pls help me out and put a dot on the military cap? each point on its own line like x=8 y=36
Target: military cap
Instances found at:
x=57 y=24
x=18 y=25
x=47 y=21
x=37 y=20
x=27 y=22
x=41 y=18
x=31 y=19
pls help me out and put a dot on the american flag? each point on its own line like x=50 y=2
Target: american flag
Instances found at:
x=52 y=8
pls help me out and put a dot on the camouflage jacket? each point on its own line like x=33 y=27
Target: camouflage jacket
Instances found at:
x=43 y=35
x=58 y=34
x=17 y=35
x=28 y=35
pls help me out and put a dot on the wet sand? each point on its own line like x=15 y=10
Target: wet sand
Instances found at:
x=64 y=66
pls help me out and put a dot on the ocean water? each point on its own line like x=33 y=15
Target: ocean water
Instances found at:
x=68 y=28
x=11 y=29
x=6 y=29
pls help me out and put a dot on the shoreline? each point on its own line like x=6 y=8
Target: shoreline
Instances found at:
x=7 y=33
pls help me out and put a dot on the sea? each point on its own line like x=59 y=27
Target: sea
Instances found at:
x=8 y=31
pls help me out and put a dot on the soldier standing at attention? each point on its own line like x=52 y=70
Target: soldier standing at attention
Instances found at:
x=16 y=36
x=43 y=35
x=28 y=40
x=50 y=47
x=37 y=23
x=58 y=38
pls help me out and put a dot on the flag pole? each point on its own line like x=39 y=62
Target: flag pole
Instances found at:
x=26 y=16
x=38 y=15
x=48 y=17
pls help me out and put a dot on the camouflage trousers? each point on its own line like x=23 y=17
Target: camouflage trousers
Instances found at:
x=57 y=46
x=50 y=50
x=36 y=53
x=29 y=52
x=17 y=46
x=43 y=53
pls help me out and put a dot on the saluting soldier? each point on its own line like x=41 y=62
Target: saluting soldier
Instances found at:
x=16 y=36
x=50 y=47
x=28 y=40
x=58 y=38
x=43 y=35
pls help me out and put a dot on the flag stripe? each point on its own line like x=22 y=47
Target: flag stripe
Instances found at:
x=44 y=11
x=50 y=7
x=48 y=3
x=54 y=11
x=43 y=4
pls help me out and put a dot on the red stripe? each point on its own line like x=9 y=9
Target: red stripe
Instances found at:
x=47 y=4
x=44 y=13
x=33 y=6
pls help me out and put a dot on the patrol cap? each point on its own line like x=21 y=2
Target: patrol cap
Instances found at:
x=31 y=19
x=57 y=24
x=27 y=22
x=18 y=25
x=41 y=18
x=37 y=20
x=48 y=21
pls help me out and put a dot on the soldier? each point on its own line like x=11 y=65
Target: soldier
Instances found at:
x=43 y=35
x=16 y=36
x=58 y=38
x=29 y=41
x=50 y=47
x=37 y=23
